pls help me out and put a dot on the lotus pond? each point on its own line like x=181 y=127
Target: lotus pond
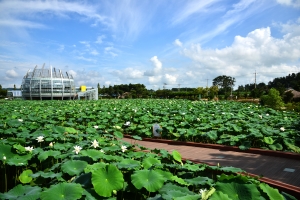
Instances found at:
x=74 y=149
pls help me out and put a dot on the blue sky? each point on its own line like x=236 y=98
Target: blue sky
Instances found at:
x=176 y=43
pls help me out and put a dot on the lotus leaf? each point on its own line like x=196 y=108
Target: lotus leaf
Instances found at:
x=106 y=180
x=271 y=192
x=239 y=191
x=150 y=161
x=24 y=192
x=74 y=167
x=64 y=191
x=149 y=179
x=25 y=176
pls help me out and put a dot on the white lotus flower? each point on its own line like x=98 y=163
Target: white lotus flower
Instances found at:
x=101 y=151
x=77 y=149
x=267 y=114
x=282 y=129
x=40 y=138
x=95 y=144
x=124 y=148
x=127 y=124
x=20 y=120
x=30 y=149
x=201 y=191
x=260 y=116
x=51 y=144
x=4 y=157
x=96 y=127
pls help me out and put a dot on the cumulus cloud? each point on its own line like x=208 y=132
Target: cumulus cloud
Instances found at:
x=257 y=50
x=111 y=51
x=100 y=39
x=11 y=73
x=177 y=43
x=170 y=79
x=294 y=3
x=128 y=73
x=157 y=67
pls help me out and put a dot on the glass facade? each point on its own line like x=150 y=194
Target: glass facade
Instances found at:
x=42 y=84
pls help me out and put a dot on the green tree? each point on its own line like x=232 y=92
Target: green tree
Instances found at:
x=273 y=99
x=225 y=83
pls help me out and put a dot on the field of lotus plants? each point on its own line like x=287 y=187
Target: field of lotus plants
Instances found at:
x=74 y=149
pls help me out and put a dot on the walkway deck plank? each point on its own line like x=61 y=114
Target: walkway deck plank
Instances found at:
x=268 y=166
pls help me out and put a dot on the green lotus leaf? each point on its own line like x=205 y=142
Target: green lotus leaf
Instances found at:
x=129 y=163
x=14 y=123
x=118 y=134
x=271 y=192
x=268 y=140
x=19 y=148
x=136 y=137
x=112 y=148
x=188 y=197
x=94 y=167
x=177 y=156
x=71 y=130
x=22 y=192
x=149 y=179
x=25 y=176
x=74 y=167
x=150 y=161
x=90 y=130
x=167 y=175
x=238 y=191
x=5 y=150
x=111 y=157
x=64 y=191
x=245 y=145
x=174 y=194
x=58 y=129
x=46 y=174
x=18 y=160
x=106 y=180
x=92 y=153
x=231 y=169
x=193 y=167
x=43 y=155
x=219 y=195
x=179 y=180
x=199 y=180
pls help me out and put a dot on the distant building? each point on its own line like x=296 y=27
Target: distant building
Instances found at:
x=14 y=94
x=48 y=84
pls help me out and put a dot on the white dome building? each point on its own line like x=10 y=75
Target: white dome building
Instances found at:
x=48 y=84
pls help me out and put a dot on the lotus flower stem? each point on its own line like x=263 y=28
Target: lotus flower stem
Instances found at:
x=5 y=178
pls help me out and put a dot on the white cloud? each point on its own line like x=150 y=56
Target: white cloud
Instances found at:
x=177 y=43
x=258 y=50
x=170 y=79
x=11 y=73
x=157 y=67
x=191 y=8
x=94 y=52
x=111 y=51
x=17 y=10
x=293 y=3
x=128 y=73
x=100 y=39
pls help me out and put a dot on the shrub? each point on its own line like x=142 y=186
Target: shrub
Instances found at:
x=273 y=99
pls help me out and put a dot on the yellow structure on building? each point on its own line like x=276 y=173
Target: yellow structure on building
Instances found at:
x=82 y=88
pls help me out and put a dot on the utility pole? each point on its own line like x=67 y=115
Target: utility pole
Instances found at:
x=255 y=79
x=207 y=86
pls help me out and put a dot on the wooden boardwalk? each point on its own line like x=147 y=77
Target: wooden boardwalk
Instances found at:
x=280 y=169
